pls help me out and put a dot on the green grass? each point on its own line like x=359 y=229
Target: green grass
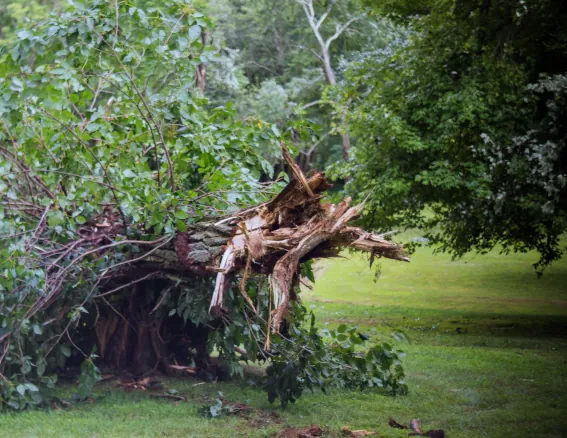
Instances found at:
x=487 y=358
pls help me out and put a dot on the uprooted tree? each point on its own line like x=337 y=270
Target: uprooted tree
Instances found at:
x=136 y=235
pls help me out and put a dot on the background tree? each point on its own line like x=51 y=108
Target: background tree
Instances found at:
x=461 y=125
x=14 y=13
x=272 y=47
x=315 y=23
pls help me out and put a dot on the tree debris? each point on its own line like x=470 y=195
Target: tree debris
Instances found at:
x=175 y=398
x=312 y=431
x=271 y=239
x=346 y=431
x=415 y=426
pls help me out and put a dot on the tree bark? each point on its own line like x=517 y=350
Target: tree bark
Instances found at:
x=201 y=71
x=329 y=73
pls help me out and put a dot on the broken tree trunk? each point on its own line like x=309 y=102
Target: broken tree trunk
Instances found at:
x=271 y=238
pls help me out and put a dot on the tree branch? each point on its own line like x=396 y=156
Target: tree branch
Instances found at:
x=310 y=104
x=324 y=16
x=340 y=30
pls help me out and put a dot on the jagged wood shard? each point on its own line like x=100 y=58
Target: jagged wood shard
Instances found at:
x=293 y=227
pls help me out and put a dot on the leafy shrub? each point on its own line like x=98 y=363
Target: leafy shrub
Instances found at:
x=310 y=358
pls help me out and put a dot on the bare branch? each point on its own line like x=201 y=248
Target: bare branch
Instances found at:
x=310 y=104
x=174 y=27
x=137 y=280
x=117 y=20
x=296 y=170
x=59 y=172
x=340 y=30
x=317 y=143
x=310 y=14
x=324 y=16
x=38 y=228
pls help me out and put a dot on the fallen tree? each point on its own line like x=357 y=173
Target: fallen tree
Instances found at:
x=126 y=244
x=270 y=239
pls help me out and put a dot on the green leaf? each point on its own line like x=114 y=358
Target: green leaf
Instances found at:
x=37 y=398
x=80 y=220
x=276 y=130
x=25 y=34
x=14 y=404
x=16 y=84
x=180 y=214
x=32 y=387
x=181 y=226
x=65 y=350
x=41 y=369
x=194 y=32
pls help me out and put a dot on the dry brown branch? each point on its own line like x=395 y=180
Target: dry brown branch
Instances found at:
x=295 y=169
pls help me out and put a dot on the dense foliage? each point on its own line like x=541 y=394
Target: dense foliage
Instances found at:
x=102 y=123
x=148 y=119
x=461 y=125
x=313 y=359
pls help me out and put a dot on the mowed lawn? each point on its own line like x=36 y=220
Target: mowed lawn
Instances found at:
x=487 y=357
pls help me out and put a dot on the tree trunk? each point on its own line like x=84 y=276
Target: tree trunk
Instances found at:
x=132 y=337
x=332 y=80
x=329 y=73
x=315 y=24
x=201 y=71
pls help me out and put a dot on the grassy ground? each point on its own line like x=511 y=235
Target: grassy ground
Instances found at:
x=487 y=358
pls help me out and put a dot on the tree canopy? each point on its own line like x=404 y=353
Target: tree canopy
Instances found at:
x=460 y=125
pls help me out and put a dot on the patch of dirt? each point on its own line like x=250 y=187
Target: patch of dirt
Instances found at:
x=143 y=384
x=297 y=432
x=263 y=421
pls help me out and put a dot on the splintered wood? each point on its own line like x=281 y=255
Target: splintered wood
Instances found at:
x=295 y=226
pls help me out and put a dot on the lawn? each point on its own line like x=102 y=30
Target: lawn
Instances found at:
x=487 y=357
